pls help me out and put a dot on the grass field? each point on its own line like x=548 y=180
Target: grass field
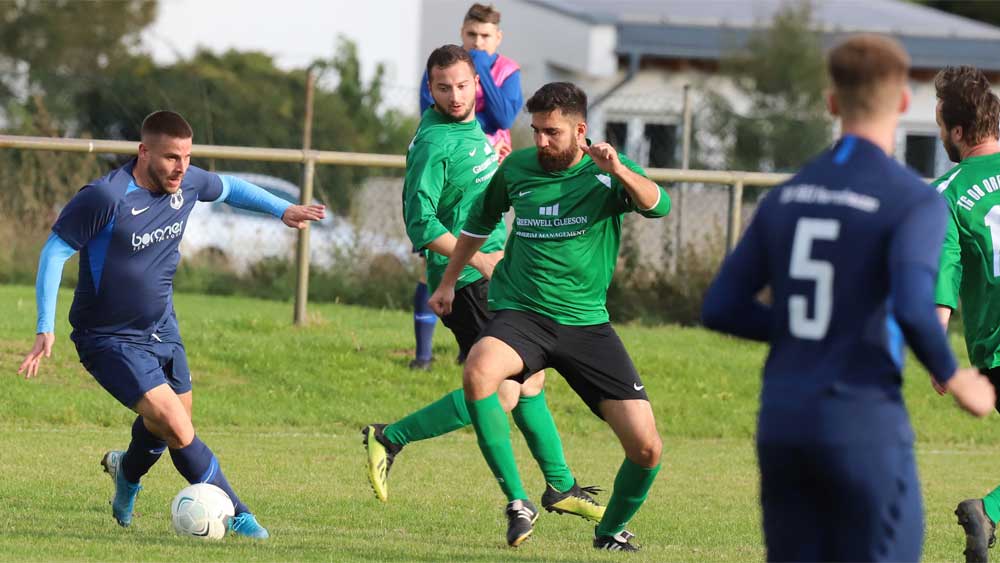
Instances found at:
x=282 y=407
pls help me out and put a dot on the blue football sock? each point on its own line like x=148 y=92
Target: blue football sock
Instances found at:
x=424 y=321
x=198 y=464
x=143 y=451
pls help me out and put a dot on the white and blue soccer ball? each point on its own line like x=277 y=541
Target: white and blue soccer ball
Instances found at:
x=201 y=511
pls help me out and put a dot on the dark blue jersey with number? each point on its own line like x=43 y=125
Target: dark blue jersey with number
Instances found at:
x=849 y=249
x=128 y=239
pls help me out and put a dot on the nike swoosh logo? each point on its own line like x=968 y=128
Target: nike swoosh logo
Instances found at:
x=473 y=152
x=522 y=194
x=139 y=211
x=638 y=387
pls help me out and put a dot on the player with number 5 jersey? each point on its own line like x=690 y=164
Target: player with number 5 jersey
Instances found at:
x=849 y=249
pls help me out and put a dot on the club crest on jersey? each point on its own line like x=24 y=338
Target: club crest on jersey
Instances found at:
x=177 y=199
x=604 y=179
x=487 y=149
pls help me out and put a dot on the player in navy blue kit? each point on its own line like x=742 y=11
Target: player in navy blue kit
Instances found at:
x=127 y=227
x=849 y=249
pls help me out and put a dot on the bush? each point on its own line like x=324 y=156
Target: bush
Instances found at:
x=654 y=294
x=357 y=277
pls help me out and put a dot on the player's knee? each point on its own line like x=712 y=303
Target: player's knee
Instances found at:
x=509 y=393
x=647 y=452
x=178 y=432
x=533 y=385
x=474 y=376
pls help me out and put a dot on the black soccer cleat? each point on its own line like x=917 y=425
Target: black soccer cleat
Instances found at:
x=421 y=365
x=979 y=530
x=381 y=453
x=521 y=516
x=617 y=542
x=576 y=501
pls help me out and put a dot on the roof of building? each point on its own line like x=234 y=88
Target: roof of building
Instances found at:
x=708 y=29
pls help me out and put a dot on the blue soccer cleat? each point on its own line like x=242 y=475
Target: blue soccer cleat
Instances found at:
x=123 y=503
x=245 y=524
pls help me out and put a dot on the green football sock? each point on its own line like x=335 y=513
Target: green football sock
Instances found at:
x=440 y=417
x=493 y=432
x=532 y=416
x=631 y=488
x=992 y=504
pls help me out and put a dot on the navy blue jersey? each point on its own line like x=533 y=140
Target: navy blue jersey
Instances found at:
x=128 y=239
x=849 y=247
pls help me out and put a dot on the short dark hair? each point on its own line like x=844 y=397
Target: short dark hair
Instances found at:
x=482 y=13
x=446 y=56
x=169 y=123
x=968 y=101
x=564 y=96
x=869 y=73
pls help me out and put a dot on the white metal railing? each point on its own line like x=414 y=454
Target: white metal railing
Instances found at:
x=310 y=158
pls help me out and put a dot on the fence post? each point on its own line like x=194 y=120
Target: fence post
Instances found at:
x=302 y=248
x=678 y=203
x=735 y=215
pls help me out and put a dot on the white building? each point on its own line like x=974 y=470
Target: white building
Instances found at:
x=633 y=57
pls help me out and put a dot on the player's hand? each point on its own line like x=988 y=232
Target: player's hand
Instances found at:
x=938 y=387
x=503 y=148
x=42 y=347
x=486 y=263
x=440 y=302
x=297 y=216
x=972 y=391
x=604 y=156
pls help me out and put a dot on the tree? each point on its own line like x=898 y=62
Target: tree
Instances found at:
x=55 y=47
x=782 y=75
x=242 y=98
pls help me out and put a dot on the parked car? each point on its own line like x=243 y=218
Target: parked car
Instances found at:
x=239 y=237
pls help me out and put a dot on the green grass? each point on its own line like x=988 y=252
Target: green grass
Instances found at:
x=281 y=407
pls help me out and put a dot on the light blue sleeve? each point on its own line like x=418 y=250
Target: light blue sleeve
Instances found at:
x=54 y=255
x=240 y=193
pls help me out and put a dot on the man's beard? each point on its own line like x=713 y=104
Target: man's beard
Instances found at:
x=459 y=118
x=952 y=151
x=160 y=183
x=552 y=161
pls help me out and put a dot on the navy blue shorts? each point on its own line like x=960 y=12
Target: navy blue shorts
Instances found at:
x=841 y=503
x=129 y=366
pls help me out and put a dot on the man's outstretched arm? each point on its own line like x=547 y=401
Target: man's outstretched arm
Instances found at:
x=245 y=195
x=53 y=258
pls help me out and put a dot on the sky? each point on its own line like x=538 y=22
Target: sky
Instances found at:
x=296 y=32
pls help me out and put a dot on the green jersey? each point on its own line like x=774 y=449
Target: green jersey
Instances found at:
x=970 y=257
x=448 y=166
x=564 y=244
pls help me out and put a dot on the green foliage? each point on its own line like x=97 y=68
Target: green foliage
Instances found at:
x=655 y=294
x=377 y=281
x=59 y=46
x=782 y=74
x=242 y=98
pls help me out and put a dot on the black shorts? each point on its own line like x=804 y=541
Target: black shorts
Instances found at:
x=469 y=315
x=591 y=358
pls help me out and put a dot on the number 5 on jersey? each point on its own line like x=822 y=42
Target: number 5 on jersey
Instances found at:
x=820 y=272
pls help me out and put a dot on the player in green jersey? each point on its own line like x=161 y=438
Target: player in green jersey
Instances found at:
x=449 y=164
x=968 y=114
x=549 y=294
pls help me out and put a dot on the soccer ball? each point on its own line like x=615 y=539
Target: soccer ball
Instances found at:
x=201 y=511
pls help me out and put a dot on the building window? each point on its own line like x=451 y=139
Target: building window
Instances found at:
x=662 y=142
x=616 y=134
x=921 y=154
